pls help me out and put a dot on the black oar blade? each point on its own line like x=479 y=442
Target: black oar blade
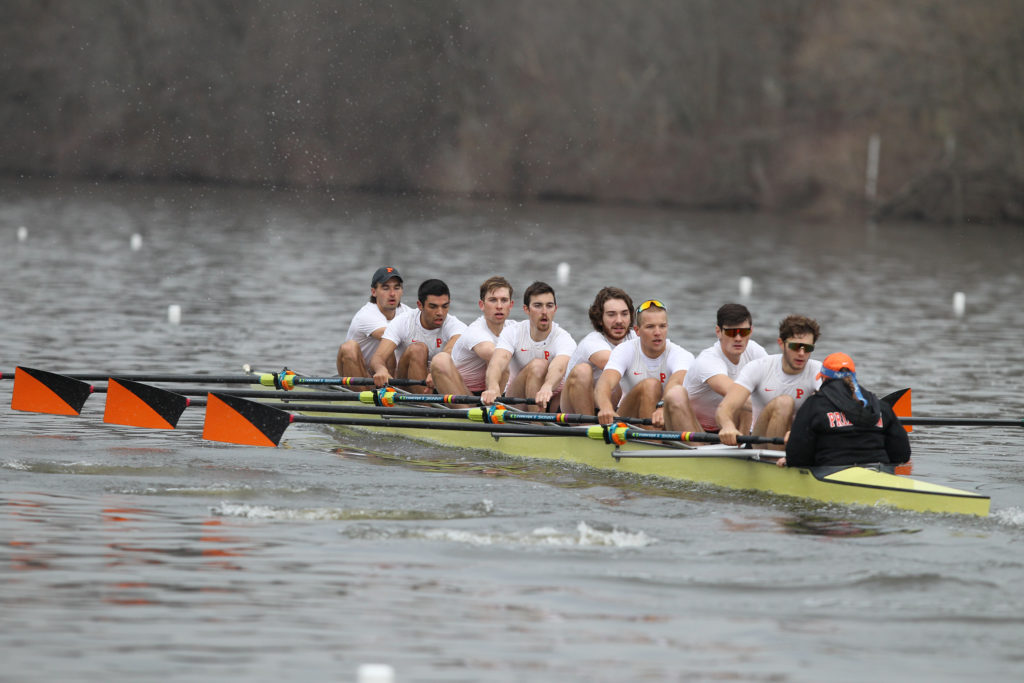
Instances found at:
x=141 y=405
x=235 y=420
x=39 y=391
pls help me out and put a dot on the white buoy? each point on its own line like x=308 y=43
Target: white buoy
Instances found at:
x=22 y=233
x=959 y=303
x=136 y=242
x=563 y=273
x=376 y=673
x=746 y=286
x=174 y=314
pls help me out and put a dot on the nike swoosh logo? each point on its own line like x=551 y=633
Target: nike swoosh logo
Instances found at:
x=524 y=350
x=638 y=373
x=769 y=390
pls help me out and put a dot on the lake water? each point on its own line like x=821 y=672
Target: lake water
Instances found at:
x=143 y=555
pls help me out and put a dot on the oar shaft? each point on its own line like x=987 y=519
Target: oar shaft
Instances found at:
x=961 y=422
x=457 y=426
x=266 y=379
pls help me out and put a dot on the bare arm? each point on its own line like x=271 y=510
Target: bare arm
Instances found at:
x=495 y=369
x=603 y=395
x=720 y=384
x=451 y=343
x=600 y=358
x=378 y=364
x=484 y=350
x=728 y=411
x=555 y=373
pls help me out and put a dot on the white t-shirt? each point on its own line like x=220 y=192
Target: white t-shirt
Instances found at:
x=588 y=346
x=364 y=322
x=472 y=367
x=630 y=361
x=765 y=380
x=515 y=339
x=406 y=329
x=710 y=362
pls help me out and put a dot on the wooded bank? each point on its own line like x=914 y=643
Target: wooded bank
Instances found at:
x=765 y=105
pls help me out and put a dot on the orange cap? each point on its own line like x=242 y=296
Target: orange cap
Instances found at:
x=836 y=362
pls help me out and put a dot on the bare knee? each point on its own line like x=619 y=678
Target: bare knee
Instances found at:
x=580 y=376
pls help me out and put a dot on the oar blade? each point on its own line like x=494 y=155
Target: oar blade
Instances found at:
x=901 y=405
x=235 y=420
x=142 y=405
x=39 y=391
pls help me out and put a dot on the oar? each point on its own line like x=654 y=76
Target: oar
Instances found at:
x=962 y=421
x=41 y=391
x=901 y=405
x=499 y=414
x=141 y=405
x=231 y=419
x=284 y=380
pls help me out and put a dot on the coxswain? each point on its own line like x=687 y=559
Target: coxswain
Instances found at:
x=844 y=424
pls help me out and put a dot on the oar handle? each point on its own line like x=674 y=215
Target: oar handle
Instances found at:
x=289 y=381
x=499 y=414
x=620 y=433
x=388 y=397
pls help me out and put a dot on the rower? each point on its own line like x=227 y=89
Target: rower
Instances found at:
x=534 y=352
x=464 y=370
x=368 y=324
x=611 y=315
x=844 y=424
x=776 y=385
x=713 y=372
x=647 y=370
x=417 y=335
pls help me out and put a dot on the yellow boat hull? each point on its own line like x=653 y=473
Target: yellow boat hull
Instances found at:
x=718 y=465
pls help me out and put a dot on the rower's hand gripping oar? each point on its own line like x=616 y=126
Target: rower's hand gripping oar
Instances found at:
x=500 y=414
x=288 y=380
x=619 y=433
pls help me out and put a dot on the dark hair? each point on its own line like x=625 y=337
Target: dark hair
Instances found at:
x=731 y=315
x=535 y=289
x=792 y=325
x=603 y=297
x=496 y=282
x=432 y=288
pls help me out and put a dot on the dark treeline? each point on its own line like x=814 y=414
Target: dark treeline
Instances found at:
x=698 y=103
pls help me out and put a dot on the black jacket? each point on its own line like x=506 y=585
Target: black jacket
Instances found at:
x=834 y=428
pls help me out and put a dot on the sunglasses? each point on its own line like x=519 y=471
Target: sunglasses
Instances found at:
x=733 y=331
x=647 y=304
x=797 y=346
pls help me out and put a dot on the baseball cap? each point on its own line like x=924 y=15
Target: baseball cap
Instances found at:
x=836 y=362
x=383 y=274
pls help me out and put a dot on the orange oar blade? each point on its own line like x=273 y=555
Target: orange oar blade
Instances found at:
x=901 y=405
x=39 y=391
x=141 y=405
x=236 y=420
